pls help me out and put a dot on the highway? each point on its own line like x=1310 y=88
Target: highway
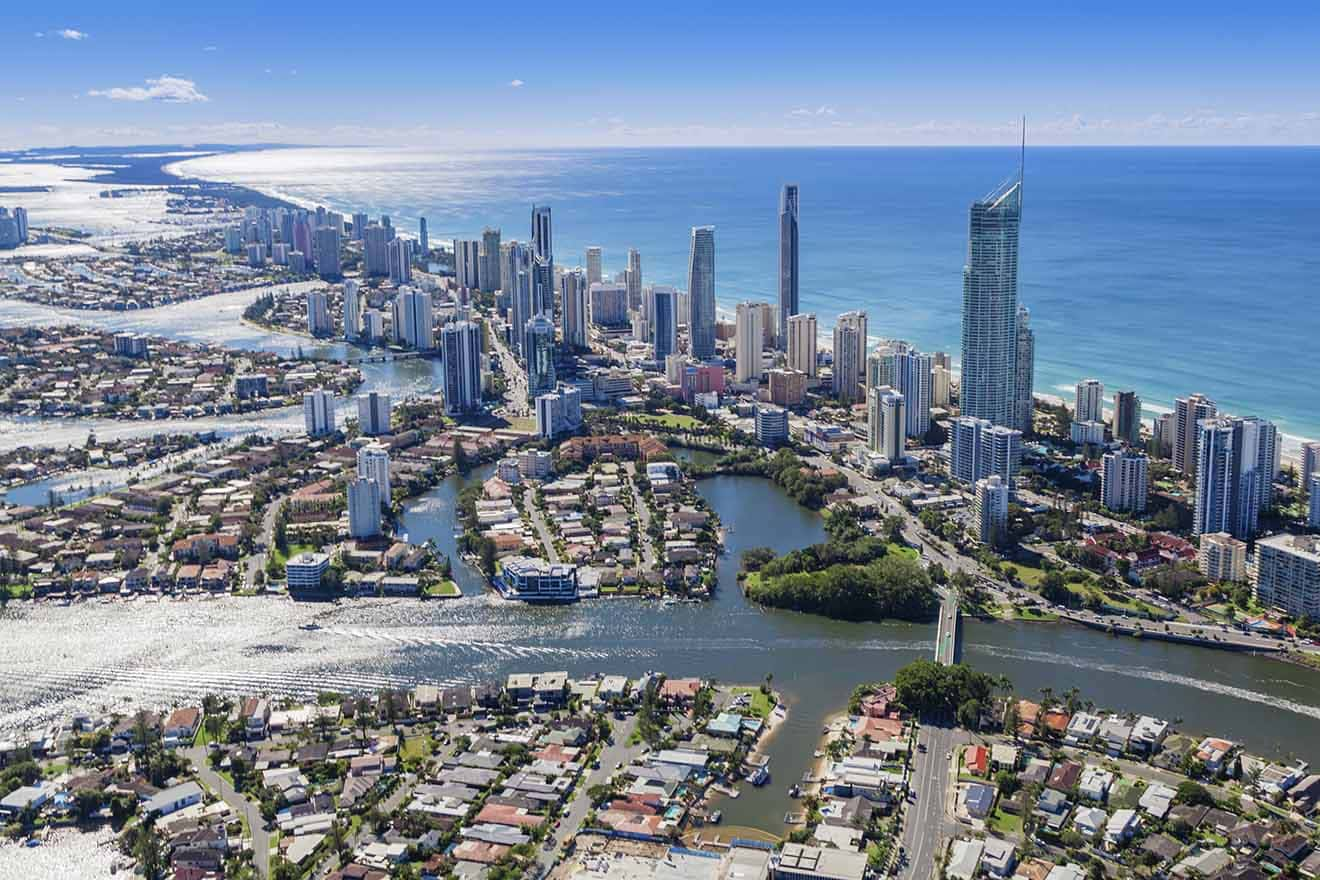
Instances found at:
x=927 y=822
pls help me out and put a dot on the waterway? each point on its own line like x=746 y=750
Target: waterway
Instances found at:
x=54 y=660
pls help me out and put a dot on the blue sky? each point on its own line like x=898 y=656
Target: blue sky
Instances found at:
x=511 y=74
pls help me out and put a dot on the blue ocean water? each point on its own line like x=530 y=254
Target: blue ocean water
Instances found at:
x=1164 y=270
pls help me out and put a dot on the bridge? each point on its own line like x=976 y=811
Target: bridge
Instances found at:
x=389 y=356
x=948 y=635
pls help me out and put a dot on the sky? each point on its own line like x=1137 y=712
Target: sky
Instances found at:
x=668 y=73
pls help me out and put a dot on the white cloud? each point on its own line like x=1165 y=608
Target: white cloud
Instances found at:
x=209 y=49
x=71 y=34
x=516 y=83
x=804 y=112
x=169 y=89
x=39 y=34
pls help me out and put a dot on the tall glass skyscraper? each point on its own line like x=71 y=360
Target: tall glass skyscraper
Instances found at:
x=664 y=321
x=701 y=293
x=989 y=317
x=788 y=260
x=1024 y=382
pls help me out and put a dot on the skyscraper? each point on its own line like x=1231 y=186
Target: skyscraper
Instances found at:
x=1187 y=415
x=373 y=410
x=319 y=412
x=542 y=239
x=398 y=251
x=990 y=510
x=375 y=259
x=912 y=376
x=539 y=355
x=460 y=352
x=885 y=421
x=1123 y=478
x=318 y=314
x=849 y=355
x=513 y=259
x=978 y=448
x=352 y=311
x=634 y=280
x=701 y=293
x=1023 y=375
x=467 y=264
x=1126 y=424
x=488 y=260
x=748 y=340
x=327 y=252
x=415 y=324
x=989 y=315
x=373 y=463
x=573 y=299
x=359 y=227
x=593 y=266
x=364 y=499
x=802 y=343
x=1089 y=401
x=664 y=321
x=520 y=309
x=609 y=304
x=1234 y=475
x=423 y=237
x=788 y=258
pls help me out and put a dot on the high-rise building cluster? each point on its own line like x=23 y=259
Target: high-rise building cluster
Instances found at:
x=13 y=227
x=304 y=240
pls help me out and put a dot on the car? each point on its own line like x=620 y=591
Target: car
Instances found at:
x=948 y=756
x=618 y=765
x=921 y=747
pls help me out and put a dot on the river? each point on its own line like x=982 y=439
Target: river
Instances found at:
x=118 y=655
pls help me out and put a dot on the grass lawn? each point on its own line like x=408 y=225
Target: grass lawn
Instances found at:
x=669 y=420
x=1005 y=823
x=1034 y=614
x=419 y=747
x=55 y=769
x=1126 y=793
x=902 y=550
x=16 y=591
x=761 y=703
x=445 y=590
x=1028 y=574
x=294 y=550
x=522 y=424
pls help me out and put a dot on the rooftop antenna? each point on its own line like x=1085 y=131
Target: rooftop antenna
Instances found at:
x=1022 y=159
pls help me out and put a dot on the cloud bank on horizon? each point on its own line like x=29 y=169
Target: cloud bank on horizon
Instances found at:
x=667 y=75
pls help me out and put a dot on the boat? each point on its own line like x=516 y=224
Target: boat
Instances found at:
x=760 y=776
x=310 y=627
x=795 y=791
x=715 y=817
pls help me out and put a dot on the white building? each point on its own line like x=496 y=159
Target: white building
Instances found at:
x=771 y=425
x=802 y=343
x=593 y=265
x=363 y=508
x=989 y=312
x=849 y=355
x=460 y=352
x=1084 y=433
x=1123 y=480
x=1234 y=475
x=373 y=463
x=1286 y=574
x=886 y=423
x=940 y=386
x=304 y=571
x=352 y=311
x=1313 y=515
x=467 y=264
x=1221 y=557
x=373 y=410
x=558 y=412
x=413 y=311
x=1187 y=415
x=978 y=449
x=1089 y=401
x=318 y=314
x=319 y=412
x=749 y=339
x=990 y=510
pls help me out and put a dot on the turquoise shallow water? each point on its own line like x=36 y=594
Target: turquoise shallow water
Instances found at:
x=1164 y=270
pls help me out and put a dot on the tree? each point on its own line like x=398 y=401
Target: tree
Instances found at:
x=148 y=851
x=1194 y=794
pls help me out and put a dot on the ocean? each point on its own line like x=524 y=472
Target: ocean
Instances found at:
x=1163 y=270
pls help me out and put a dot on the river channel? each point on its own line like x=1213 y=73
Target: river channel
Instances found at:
x=54 y=660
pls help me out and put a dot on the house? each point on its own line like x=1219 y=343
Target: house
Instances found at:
x=681 y=691
x=1163 y=847
x=1090 y=822
x=998 y=858
x=1305 y=795
x=25 y=797
x=1052 y=808
x=1148 y=735
x=1216 y=754
x=1003 y=757
x=1082 y=729
x=979 y=800
x=1156 y=799
x=1115 y=731
x=1094 y=784
x=797 y=861
x=171 y=800
x=255 y=715
x=964 y=859
x=181 y=727
x=977 y=760
x=1120 y=828
x=1064 y=776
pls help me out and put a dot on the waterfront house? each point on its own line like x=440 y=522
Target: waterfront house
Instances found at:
x=1082 y=729
x=172 y=800
x=1115 y=732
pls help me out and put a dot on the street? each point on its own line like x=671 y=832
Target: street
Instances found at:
x=927 y=822
x=240 y=804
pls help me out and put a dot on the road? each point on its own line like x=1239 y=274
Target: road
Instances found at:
x=948 y=635
x=241 y=805
x=542 y=529
x=642 y=513
x=927 y=820
x=576 y=810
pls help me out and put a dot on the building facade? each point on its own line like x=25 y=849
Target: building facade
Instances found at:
x=979 y=448
x=989 y=313
x=701 y=293
x=788 y=259
x=1124 y=477
x=849 y=356
x=461 y=358
x=1286 y=574
x=748 y=342
x=802 y=334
